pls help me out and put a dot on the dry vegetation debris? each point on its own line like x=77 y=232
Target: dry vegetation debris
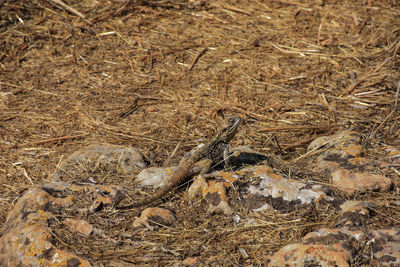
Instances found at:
x=155 y=74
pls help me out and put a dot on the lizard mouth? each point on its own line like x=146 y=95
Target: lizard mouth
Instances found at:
x=238 y=120
x=235 y=122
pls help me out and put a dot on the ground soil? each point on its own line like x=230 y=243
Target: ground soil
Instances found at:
x=157 y=75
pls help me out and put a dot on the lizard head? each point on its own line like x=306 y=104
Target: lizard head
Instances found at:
x=229 y=128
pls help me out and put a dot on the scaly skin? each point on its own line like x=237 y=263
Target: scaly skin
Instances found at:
x=208 y=151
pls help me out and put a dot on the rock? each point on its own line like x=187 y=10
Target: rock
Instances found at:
x=325 y=247
x=100 y=202
x=155 y=216
x=201 y=261
x=386 y=246
x=214 y=191
x=350 y=182
x=198 y=186
x=355 y=213
x=340 y=139
x=191 y=261
x=310 y=255
x=343 y=151
x=393 y=153
x=25 y=237
x=284 y=194
x=215 y=195
x=338 y=247
x=341 y=158
x=152 y=109
x=155 y=177
x=327 y=236
x=79 y=226
x=106 y=157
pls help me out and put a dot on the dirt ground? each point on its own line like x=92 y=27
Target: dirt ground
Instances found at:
x=157 y=74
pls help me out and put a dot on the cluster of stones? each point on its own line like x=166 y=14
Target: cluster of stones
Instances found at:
x=24 y=239
x=352 y=242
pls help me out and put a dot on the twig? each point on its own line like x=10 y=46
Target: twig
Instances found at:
x=129 y=110
x=290 y=3
x=117 y=12
x=56 y=139
x=289 y=128
x=390 y=114
x=9 y=118
x=243 y=111
x=364 y=77
x=138 y=136
x=292 y=50
x=278 y=145
x=59 y=239
x=172 y=154
x=312 y=152
x=235 y=9
x=197 y=57
x=353 y=86
x=153 y=97
x=300 y=143
x=2 y=2
x=70 y=9
x=24 y=172
x=12 y=85
x=319 y=31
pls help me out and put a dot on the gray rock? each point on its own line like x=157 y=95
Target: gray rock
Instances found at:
x=155 y=177
x=126 y=160
x=284 y=194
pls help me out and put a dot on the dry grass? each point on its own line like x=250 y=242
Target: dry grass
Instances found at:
x=154 y=74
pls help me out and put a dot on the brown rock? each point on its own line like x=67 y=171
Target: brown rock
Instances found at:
x=155 y=216
x=99 y=202
x=354 y=150
x=324 y=247
x=350 y=182
x=214 y=192
x=79 y=226
x=343 y=151
x=311 y=255
x=357 y=206
x=393 y=154
x=151 y=109
x=127 y=160
x=355 y=213
x=386 y=246
x=338 y=140
x=336 y=247
x=215 y=195
x=343 y=236
x=191 y=261
x=25 y=237
x=214 y=259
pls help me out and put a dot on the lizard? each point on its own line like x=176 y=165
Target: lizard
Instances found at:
x=217 y=148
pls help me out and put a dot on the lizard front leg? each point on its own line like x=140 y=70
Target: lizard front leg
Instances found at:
x=227 y=156
x=202 y=167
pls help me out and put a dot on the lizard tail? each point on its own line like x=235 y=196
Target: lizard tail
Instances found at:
x=175 y=180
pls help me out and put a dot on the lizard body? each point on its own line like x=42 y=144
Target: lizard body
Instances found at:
x=210 y=151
